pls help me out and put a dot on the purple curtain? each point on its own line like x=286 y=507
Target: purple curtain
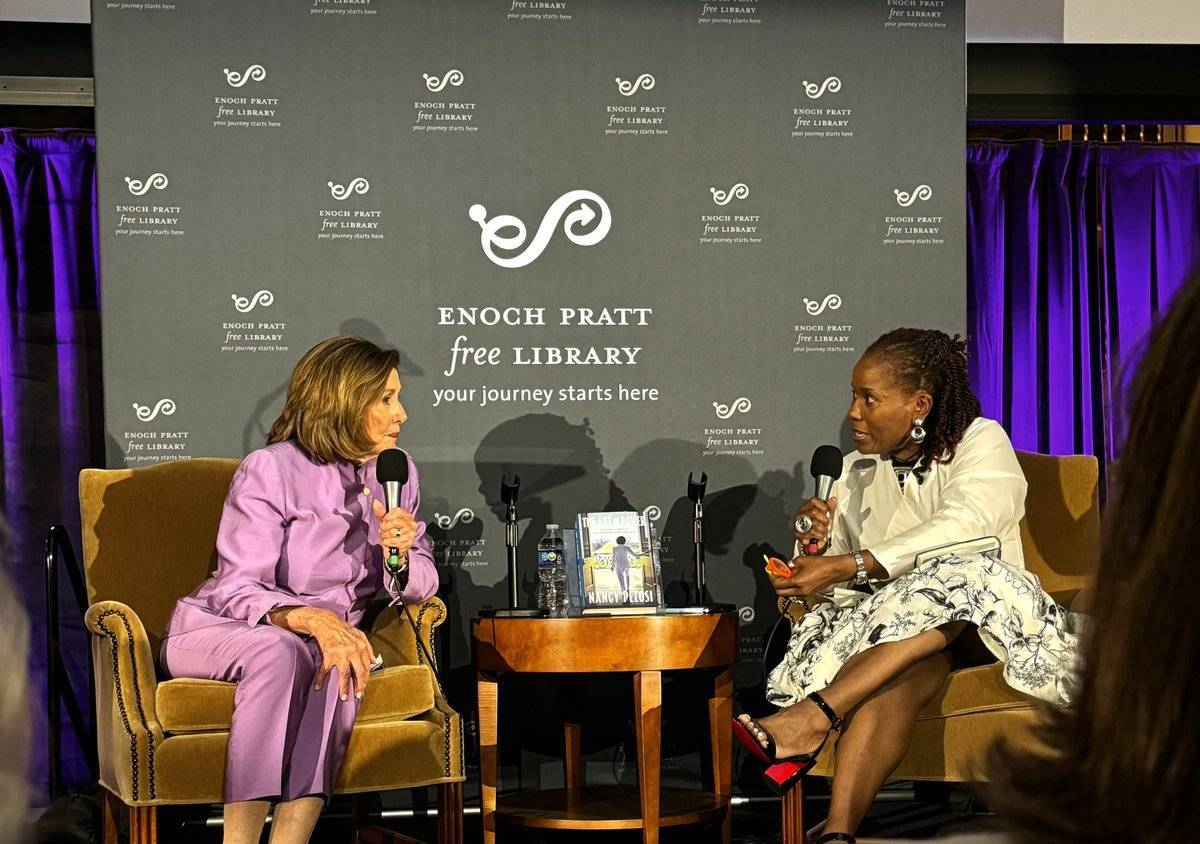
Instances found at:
x=50 y=386
x=1072 y=250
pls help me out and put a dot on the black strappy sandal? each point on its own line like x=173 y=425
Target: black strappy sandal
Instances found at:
x=837 y=836
x=782 y=774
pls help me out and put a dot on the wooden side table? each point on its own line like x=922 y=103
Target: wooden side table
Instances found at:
x=646 y=645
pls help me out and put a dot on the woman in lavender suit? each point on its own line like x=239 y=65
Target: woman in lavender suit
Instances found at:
x=298 y=559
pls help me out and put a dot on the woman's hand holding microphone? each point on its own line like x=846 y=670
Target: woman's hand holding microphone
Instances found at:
x=811 y=570
x=813 y=522
x=397 y=527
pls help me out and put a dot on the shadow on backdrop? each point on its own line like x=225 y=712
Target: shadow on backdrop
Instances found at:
x=562 y=474
x=744 y=513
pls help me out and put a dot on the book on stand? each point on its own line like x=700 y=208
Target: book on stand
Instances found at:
x=617 y=566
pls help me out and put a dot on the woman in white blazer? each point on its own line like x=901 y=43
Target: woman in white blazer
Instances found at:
x=918 y=542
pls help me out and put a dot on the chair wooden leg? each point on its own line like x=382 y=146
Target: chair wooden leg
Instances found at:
x=365 y=833
x=450 y=813
x=112 y=809
x=143 y=825
x=362 y=832
x=488 y=697
x=793 y=814
x=358 y=814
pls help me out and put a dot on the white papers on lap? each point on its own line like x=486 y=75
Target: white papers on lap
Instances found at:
x=844 y=598
x=979 y=545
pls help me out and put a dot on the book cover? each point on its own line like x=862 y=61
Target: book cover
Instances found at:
x=616 y=565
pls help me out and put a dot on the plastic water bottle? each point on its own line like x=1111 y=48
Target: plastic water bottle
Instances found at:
x=552 y=594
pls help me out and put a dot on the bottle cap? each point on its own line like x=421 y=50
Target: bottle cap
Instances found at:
x=551 y=527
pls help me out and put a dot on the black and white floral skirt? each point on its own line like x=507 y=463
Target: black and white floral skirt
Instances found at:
x=1037 y=640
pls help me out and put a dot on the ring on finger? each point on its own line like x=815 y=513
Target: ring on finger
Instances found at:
x=803 y=523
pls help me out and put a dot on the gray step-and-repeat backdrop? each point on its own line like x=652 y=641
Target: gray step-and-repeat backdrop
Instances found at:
x=615 y=241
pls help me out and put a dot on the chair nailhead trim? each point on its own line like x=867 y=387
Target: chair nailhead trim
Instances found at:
x=137 y=697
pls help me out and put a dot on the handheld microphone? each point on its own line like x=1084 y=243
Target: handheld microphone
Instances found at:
x=826 y=467
x=392 y=472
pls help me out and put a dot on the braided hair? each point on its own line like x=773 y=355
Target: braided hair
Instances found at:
x=931 y=360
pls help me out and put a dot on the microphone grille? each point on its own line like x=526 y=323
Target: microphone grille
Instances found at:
x=827 y=461
x=392 y=466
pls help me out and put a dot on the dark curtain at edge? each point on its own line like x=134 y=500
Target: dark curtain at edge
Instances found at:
x=50 y=388
x=1072 y=251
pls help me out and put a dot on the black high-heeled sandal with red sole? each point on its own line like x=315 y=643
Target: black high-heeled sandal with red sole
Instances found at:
x=782 y=774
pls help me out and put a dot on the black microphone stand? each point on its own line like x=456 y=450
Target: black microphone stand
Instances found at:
x=702 y=599
x=508 y=496
x=696 y=496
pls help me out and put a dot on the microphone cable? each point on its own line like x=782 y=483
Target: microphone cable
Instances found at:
x=407 y=613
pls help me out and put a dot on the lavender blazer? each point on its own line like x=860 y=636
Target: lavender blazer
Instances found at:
x=297 y=532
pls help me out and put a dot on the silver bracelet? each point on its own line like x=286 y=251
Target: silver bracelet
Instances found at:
x=860 y=568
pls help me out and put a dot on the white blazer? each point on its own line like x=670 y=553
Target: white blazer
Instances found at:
x=981 y=492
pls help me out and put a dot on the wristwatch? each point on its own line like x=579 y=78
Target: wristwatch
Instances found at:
x=860 y=568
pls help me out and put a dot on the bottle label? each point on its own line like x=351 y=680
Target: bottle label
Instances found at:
x=547 y=559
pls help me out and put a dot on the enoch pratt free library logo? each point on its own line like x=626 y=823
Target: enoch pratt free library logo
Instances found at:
x=725 y=411
x=643 y=83
x=356 y=185
x=582 y=217
x=245 y=306
x=165 y=407
x=724 y=197
x=831 y=302
x=155 y=181
x=254 y=73
x=453 y=77
x=466 y=515
x=906 y=198
x=815 y=91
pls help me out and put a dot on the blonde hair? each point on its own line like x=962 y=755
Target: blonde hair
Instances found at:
x=328 y=395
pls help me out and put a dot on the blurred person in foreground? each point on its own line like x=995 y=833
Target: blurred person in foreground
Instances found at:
x=1119 y=764
x=14 y=707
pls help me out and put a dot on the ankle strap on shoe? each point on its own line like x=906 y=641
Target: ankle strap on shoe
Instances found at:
x=835 y=724
x=837 y=836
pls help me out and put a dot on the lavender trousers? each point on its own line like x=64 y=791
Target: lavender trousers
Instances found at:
x=286 y=740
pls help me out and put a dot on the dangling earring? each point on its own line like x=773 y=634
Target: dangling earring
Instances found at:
x=917 y=434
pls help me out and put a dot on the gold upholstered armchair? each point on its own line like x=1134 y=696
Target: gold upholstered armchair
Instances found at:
x=149 y=537
x=1060 y=537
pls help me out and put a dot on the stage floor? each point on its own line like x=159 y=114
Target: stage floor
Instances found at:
x=902 y=812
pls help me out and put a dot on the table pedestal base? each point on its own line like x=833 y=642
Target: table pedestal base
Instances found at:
x=606 y=807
